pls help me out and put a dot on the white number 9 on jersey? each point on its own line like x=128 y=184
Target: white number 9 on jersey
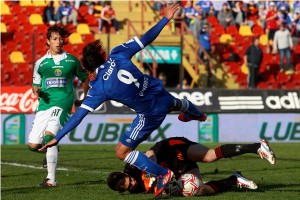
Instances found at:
x=127 y=78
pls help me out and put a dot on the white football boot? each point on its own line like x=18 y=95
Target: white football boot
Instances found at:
x=242 y=182
x=266 y=152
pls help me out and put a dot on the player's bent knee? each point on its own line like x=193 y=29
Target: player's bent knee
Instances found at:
x=120 y=154
x=34 y=148
x=48 y=138
x=122 y=151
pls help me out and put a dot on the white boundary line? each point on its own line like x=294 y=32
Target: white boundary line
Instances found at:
x=59 y=168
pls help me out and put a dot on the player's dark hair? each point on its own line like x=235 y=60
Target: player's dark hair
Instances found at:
x=116 y=181
x=93 y=55
x=62 y=31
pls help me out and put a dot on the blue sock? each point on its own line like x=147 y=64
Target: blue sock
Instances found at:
x=189 y=108
x=144 y=163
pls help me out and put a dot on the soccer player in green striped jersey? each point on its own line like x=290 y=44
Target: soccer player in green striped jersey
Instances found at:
x=53 y=84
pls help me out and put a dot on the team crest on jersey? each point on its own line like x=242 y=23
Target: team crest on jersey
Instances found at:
x=57 y=72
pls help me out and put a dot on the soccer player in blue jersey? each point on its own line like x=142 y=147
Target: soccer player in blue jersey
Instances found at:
x=117 y=78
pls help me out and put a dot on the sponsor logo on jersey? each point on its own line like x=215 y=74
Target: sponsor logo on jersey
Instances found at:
x=176 y=142
x=145 y=86
x=69 y=60
x=110 y=69
x=128 y=140
x=59 y=66
x=57 y=72
x=56 y=82
x=42 y=64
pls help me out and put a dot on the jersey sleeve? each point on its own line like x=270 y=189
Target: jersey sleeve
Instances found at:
x=156 y=148
x=80 y=73
x=128 y=49
x=93 y=99
x=37 y=78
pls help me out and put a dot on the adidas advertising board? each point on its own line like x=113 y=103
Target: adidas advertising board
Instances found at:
x=21 y=100
x=226 y=101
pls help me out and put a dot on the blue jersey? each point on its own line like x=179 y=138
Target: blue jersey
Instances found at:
x=204 y=39
x=120 y=80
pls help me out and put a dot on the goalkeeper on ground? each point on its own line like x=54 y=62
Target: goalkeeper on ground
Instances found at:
x=181 y=156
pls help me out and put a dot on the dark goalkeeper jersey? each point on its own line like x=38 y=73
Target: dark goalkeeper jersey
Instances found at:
x=170 y=153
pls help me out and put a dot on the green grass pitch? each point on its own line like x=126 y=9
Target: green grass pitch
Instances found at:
x=83 y=169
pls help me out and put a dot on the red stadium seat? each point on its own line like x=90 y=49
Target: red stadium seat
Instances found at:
x=289 y=85
x=257 y=30
x=29 y=9
x=8 y=19
x=282 y=78
x=234 y=68
x=218 y=30
x=242 y=80
x=263 y=85
x=232 y=30
x=16 y=9
x=297 y=49
x=91 y=20
x=297 y=68
x=83 y=11
x=88 y=38
x=42 y=28
x=12 y=27
x=213 y=20
x=296 y=78
x=7 y=74
x=214 y=39
x=239 y=40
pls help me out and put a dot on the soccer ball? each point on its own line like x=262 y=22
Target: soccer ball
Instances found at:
x=190 y=184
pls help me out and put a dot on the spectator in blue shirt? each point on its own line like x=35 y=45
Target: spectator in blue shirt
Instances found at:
x=205 y=5
x=204 y=40
x=189 y=12
x=296 y=21
x=67 y=13
x=283 y=5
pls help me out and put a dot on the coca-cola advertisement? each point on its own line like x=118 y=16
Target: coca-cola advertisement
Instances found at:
x=18 y=100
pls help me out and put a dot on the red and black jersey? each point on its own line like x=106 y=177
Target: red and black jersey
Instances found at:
x=170 y=153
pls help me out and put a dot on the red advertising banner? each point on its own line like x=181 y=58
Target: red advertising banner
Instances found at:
x=17 y=100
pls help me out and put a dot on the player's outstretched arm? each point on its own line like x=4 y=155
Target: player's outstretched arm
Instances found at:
x=49 y=144
x=152 y=34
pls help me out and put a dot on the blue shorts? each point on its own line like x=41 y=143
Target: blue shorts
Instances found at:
x=145 y=123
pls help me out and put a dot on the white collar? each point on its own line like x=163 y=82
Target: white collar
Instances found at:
x=64 y=55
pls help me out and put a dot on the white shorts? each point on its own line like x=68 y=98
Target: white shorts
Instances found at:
x=46 y=120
